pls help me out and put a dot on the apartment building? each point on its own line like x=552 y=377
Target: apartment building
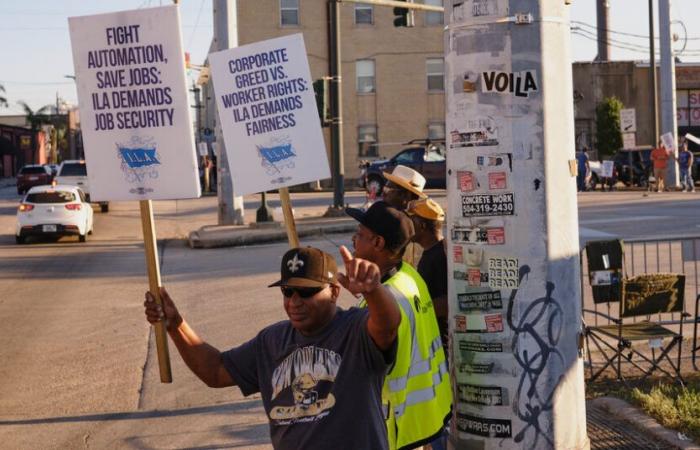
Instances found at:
x=392 y=77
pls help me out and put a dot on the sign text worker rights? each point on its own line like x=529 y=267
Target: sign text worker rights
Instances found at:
x=268 y=115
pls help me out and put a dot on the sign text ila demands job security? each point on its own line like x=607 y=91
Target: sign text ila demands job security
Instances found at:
x=136 y=124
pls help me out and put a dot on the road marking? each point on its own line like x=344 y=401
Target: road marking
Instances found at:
x=591 y=233
x=622 y=219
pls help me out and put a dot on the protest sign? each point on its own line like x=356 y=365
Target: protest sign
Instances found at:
x=669 y=142
x=268 y=115
x=136 y=125
x=607 y=168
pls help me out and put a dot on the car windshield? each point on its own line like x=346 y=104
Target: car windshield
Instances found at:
x=74 y=170
x=32 y=170
x=50 y=197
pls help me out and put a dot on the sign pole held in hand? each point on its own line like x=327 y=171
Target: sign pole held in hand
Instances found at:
x=289 y=223
x=154 y=285
x=137 y=128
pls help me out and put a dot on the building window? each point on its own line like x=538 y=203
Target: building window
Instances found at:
x=436 y=131
x=289 y=12
x=364 y=70
x=435 y=69
x=363 y=14
x=433 y=18
x=367 y=141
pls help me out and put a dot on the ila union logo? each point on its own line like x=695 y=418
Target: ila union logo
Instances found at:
x=140 y=161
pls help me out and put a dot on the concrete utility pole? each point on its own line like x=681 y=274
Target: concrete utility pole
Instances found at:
x=652 y=78
x=225 y=36
x=603 y=23
x=669 y=122
x=513 y=246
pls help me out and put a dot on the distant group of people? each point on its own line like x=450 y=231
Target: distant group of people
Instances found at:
x=374 y=376
x=659 y=157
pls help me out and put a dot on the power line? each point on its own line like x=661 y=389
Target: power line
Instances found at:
x=641 y=36
x=196 y=23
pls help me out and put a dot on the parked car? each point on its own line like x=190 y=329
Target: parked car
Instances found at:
x=54 y=211
x=32 y=175
x=632 y=167
x=426 y=157
x=74 y=173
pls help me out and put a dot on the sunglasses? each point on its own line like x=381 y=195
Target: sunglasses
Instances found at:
x=304 y=292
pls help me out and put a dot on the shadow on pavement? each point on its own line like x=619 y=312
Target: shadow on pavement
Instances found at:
x=224 y=408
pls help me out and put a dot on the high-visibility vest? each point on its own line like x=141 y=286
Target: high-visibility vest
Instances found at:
x=416 y=393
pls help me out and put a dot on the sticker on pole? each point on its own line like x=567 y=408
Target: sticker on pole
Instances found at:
x=136 y=125
x=268 y=115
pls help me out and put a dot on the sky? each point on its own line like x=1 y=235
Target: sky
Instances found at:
x=35 y=50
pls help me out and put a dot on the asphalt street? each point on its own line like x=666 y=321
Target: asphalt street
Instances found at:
x=78 y=359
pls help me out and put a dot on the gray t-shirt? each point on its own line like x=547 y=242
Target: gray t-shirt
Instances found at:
x=321 y=391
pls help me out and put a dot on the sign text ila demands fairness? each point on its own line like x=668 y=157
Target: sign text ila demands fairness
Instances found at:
x=135 y=117
x=268 y=115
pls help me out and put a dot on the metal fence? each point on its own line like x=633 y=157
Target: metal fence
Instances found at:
x=647 y=256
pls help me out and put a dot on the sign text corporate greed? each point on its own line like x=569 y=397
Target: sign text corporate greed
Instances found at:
x=269 y=107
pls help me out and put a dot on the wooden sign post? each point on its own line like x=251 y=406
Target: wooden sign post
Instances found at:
x=154 y=285
x=289 y=223
x=134 y=151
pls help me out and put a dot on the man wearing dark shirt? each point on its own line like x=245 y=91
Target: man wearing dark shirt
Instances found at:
x=428 y=218
x=320 y=373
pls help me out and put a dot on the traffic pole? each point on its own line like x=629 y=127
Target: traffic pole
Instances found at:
x=513 y=244
x=669 y=121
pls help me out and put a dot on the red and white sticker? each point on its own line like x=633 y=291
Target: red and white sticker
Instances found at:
x=494 y=323
x=467 y=181
x=461 y=323
x=497 y=180
x=496 y=236
x=474 y=277
x=458 y=254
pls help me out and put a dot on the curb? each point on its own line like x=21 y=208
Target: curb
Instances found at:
x=642 y=422
x=242 y=237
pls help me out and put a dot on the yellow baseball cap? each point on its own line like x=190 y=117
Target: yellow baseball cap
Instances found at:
x=426 y=208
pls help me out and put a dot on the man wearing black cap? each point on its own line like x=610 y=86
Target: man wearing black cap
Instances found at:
x=320 y=373
x=417 y=391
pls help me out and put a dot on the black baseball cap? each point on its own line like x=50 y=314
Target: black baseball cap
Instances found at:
x=307 y=267
x=388 y=222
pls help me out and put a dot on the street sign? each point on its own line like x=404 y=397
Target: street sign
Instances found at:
x=268 y=115
x=136 y=125
x=628 y=120
x=629 y=140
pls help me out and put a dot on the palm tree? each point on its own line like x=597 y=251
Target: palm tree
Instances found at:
x=3 y=99
x=36 y=119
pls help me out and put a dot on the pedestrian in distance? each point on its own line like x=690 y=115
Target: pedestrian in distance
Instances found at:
x=320 y=373
x=583 y=169
x=402 y=185
x=685 y=165
x=659 y=158
x=417 y=394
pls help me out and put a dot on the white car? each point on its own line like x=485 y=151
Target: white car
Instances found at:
x=54 y=211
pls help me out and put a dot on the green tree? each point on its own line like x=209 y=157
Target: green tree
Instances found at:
x=608 y=132
x=3 y=99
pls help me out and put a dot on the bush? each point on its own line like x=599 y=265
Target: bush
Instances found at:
x=608 y=133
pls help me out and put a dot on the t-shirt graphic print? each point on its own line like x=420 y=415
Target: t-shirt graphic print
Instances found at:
x=302 y=385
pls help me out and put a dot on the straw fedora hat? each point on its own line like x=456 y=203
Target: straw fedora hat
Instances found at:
x=408 y=179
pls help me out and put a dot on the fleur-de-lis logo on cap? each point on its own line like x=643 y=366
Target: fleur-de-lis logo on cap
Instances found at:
x=295 y=263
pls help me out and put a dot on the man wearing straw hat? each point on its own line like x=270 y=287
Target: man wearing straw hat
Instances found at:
x=320 y=373
x=403 y=184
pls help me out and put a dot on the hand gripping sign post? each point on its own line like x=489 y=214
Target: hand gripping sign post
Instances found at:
x=269 y=118
x=137 y=132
